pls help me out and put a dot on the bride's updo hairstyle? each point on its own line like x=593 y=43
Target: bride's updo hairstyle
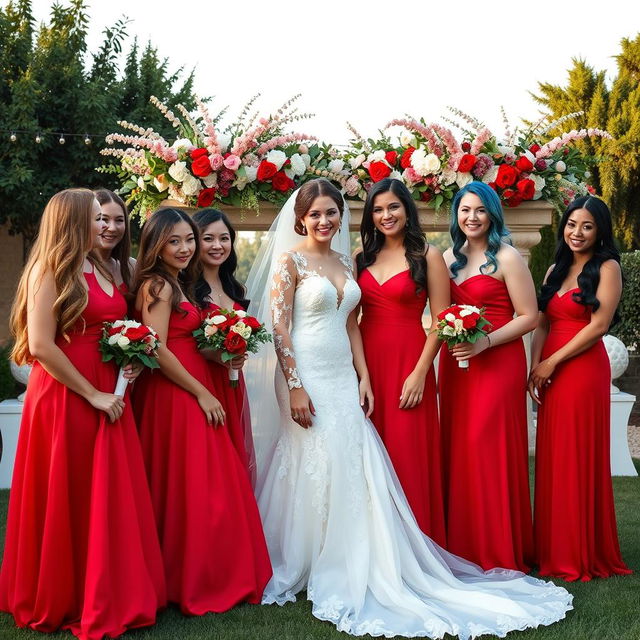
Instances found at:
x=308 y=192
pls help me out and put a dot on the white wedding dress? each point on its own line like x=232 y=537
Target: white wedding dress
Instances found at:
x=335 y=518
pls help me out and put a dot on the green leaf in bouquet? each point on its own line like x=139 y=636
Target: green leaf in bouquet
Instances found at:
x=226 y=356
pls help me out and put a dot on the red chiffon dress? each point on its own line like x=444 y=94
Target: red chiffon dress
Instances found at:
x=483 y=414
x=575 y=522
x=214 y=551
x=81 y=549
x=393 y=339
x=234 y=401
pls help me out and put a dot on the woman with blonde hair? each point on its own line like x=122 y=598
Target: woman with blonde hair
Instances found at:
x=81 y=550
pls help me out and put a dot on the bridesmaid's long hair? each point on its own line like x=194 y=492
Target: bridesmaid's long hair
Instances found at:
x=415 y=243
x=122 y=251
x=232 y=287
x=497 y=229
x=604 y=249
x=155 y=234
x=64 y=240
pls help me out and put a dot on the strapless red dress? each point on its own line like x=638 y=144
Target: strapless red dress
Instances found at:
x=483 y=414
x=393 y=339
x=215 y=554
x=575 y=522
x=81 y=549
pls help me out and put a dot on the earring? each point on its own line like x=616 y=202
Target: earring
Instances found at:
x=304 y=230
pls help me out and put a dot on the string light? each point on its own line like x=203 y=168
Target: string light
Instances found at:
x=13 y=137
x=62 y=137
x=87 y=139
x=38 y=139
x=61 y=140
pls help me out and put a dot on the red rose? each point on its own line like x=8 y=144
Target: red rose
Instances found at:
x=113 y=330
x=467 y=162
x=206 y=197
x=252 y=322
x=466 y=147
x=235 y=343
x=514 y=200
x=378 y=171
x=508 y=193
x=526 y=189
x=524 y=164
x=266 y=170
x=405 y=160
x=201 y=167
x=391 y=157
x=282 y=182
x=469 y=322
x=136 y=333
x=226 y=175
x=534 y=148
x=426 y=196
x=507 y=175
x=493 y=186
x=197 y=153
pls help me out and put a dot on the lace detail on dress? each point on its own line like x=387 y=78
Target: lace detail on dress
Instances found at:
x=282 y=291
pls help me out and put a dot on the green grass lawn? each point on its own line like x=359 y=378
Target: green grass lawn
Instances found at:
x=604 y=609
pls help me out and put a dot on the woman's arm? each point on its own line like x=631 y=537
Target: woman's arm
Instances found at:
x=608 y=294
x=439 y=299
x=158 y=317
x=42 y=327
x=359 y=362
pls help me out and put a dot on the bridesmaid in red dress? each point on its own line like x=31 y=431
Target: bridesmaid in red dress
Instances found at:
x=575 y=522
x=483 y=408
x=214 y=551
x=397 y=271
x=115 y=240
x=217 y=288
x=81 y=551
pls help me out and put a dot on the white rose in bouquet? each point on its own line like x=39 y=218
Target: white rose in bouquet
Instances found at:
x=336 y=166
x=407 y=139
x=539 y=184
x=211 y=180
x=425 y=163
x=491 y=175
x=298 y=165
x=183 y=143
x=178 y=171
x=277 y=157
x=357 y=161
x=463 y=178
x=191 y=186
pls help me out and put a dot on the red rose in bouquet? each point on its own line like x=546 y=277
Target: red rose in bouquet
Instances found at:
x=526 y=188
x=206 y=197
x=467 y=162
x=461 y=323
x=201 y=167
x=507 y=175
x=379 y=170
x=391 y=157
x=524 y=164
x=235 y=343
x=282 y=182
x=405 y=159
x=198 y=153
x=266 y=170
x=252 y=322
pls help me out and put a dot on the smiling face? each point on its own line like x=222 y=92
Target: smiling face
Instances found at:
x=580 y=232
x=97 y=225
x=215 y=244
x=180 y=247
x=389 y=214
x=114 y=218
x=473 y=217
x=322 y=221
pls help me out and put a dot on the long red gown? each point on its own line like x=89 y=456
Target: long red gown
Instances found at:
x=81 y=549
x=575 y=522
x=234 y=401
x=483 y=415
x=213 y=546
x=393 y=339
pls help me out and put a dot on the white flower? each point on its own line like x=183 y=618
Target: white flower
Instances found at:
x=161 y=183
x=529 y=156
x=211 y=180
x=449 y=317
x=357 y=161
x=142 y=184
x=118 y=323
x=587 y=174
x=377 y=156
x=395 y=175
x=289 y=173
x=178 y=171
x=218 y=319
x=276 y=157
x=224 y=140
x=506 y=150
x=298 y=165
x=114 y=338
x=241 y=329
x=352 y=186
x=463 y=178
x=306 y=158
x=336 y=166
x=448 y=176
x=123 y=341
x=561 y=166
x=424 y=163
x=465 y=312
x=458 y=325
x=183 y=143
x=131 y=324
x=539 y=184
x=210 y=330
x=491 y=175
x=407 y=139
x=191 y=186
x=240 y=182
x=448 y=331
x=252 y=173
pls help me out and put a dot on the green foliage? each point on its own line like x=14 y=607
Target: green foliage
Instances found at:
x=628 y=329
x=8 y=385
x=616 y=109
x=542 y=255
x=46 y=87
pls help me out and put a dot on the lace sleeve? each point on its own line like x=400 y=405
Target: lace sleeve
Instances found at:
x=282 y=292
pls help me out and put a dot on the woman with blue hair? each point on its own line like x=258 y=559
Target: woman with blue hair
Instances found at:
x=483 y=408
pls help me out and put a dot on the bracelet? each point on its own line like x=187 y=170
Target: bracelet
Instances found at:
x=488 y=340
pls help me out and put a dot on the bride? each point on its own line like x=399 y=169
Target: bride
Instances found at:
x=335 y=518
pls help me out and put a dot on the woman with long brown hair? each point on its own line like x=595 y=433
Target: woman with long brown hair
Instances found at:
x=214 y=551
x=81 y=551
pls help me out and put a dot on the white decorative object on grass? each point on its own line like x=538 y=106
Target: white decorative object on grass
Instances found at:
x=618 y=357
x=21 y=373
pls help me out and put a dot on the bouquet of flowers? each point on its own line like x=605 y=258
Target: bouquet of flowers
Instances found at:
x=233 y=333
x=249 y=160
x=126 y=341
x=462 y=323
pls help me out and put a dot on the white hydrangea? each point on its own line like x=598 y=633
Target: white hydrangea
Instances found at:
x=448 y=176
x=277 y=157
x=298 y=165
x=424 y=163
x=251 y=173
x=306 y=159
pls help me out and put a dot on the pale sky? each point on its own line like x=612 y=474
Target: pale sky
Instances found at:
x=369 y=62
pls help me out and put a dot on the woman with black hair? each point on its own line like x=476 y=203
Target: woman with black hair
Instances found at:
x=397 y=272
x=217 y=288
x=575 y=524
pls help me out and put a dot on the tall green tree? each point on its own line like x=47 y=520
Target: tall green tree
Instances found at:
x=615 y=108
x=50 y=84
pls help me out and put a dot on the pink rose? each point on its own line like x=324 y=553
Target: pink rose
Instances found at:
x=410 y=175
x=232 y=162
x=216 y=161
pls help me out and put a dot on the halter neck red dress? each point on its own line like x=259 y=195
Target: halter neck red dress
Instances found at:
x=213 y=546
x=483 y=415
x=393 y=339
x=81 y=549
x=575 y=521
